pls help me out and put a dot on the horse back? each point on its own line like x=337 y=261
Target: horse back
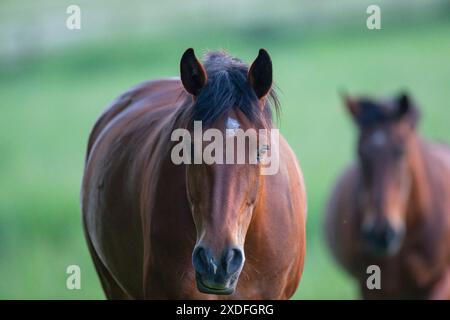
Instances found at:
x=150 y=94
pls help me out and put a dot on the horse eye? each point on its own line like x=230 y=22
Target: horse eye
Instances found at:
x=262 y=151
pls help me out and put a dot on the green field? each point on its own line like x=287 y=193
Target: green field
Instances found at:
x=49 y=102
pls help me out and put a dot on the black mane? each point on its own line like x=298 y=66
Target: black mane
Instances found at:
x=227 y=87
x=371 y=114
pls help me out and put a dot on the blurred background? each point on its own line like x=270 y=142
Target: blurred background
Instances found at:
x=55 y=82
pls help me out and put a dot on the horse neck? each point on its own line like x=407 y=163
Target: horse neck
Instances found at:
x=420 y=195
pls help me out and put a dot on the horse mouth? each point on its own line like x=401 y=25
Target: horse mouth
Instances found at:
x=214 y=288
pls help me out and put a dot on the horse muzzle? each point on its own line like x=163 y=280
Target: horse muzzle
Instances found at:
x=217 y=276
x=383 y=241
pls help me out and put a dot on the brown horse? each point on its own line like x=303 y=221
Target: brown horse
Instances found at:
x=160 y=230
x=391 y=209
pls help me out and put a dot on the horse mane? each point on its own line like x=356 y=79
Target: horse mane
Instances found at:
x=227 y=87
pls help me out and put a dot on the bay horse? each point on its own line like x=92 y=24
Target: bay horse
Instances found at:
x=160 y=230
x=391 y=208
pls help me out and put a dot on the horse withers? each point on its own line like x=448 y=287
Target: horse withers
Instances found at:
x=391 y=208
x=160 y=228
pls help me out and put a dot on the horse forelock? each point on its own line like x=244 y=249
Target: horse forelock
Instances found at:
x=372 y=113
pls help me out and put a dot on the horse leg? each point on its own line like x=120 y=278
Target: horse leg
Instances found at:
x=111 y=288
x=441 y=290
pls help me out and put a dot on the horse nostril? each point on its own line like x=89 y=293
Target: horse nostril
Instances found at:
x=384 y=238
x=378 y=238
x=233 y=260
x=390 y=235
x=200 y=260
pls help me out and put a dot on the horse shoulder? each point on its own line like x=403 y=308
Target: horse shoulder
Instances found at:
x=433 y=256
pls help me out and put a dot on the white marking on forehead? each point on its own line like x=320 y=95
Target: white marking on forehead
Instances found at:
x=378 y=138
x=231 y=126
x=232 y=123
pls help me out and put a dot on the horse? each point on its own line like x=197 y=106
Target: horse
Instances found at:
x=157 y=229
x=390 y=209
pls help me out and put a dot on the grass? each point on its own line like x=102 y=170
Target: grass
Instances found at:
x=51 y=101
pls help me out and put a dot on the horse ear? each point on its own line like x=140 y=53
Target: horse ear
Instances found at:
x=193 y=75
x=351 y=104
x=406 y=108
x=404 y=104
x=260 y=74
